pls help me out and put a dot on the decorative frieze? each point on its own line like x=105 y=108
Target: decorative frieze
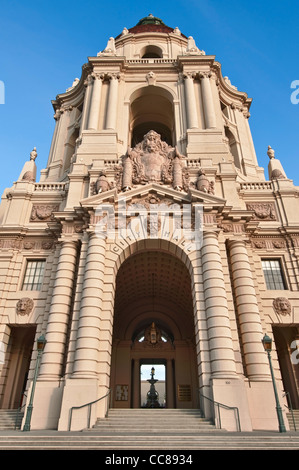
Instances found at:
x=262 y=210
x=43 y=212
x=268 y=244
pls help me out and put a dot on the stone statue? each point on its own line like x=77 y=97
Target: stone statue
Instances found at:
x=153 y=160
x=203 y=184
x=33 y=154
x=102 y=184
x=270 y=152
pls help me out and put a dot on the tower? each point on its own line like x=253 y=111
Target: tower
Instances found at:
x=152 y=210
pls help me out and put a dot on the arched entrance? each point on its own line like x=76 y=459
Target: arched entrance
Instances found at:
x=153 y=325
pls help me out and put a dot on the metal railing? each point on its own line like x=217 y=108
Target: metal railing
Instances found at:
x=89 y=405
x=217 y=411
x=290 y=408
x=19 y=410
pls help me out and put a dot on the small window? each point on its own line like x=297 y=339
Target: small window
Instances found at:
x=273 y=274
x=151 y=51
x=34 y=274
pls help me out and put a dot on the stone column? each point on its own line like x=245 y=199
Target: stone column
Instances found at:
x=249 y=319
x=86 y=360
x=192 y=118
x=207 y=98
x=53 y=355
x=217 y=317
x=112 y=101
x=95 y=102
x=85 y=113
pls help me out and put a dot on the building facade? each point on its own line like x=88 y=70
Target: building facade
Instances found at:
x=152 y=237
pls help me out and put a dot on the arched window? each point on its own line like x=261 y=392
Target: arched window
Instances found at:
x=152 y=109
x=151 y=51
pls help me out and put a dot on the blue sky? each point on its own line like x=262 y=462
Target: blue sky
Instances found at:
x=43 y=45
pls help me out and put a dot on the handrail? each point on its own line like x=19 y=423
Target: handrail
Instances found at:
x=89 y=409
x=290 y=408
x=221 y=405
x=19 y=409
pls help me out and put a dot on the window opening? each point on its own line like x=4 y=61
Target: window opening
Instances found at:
x=273 y=274
x=34 y=274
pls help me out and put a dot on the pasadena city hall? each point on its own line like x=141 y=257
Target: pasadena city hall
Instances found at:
x=152 y=238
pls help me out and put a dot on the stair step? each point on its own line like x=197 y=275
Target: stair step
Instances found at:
x=10 y=419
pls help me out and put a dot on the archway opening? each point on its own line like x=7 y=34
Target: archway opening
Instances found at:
x=152 y=109
x=153 y=292
x=151 y=51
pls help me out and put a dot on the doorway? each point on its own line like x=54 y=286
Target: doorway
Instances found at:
x=152 y=370
x=16 y=365
x=153 y=327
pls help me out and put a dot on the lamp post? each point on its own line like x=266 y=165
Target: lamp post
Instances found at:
x=267 y=343
x=41 y=342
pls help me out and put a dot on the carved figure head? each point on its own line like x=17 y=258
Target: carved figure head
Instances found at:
x=24 y=306
x=282 y=306
x=152 y=142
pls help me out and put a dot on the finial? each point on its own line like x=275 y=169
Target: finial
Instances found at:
x=270 y=152
x=33 y=154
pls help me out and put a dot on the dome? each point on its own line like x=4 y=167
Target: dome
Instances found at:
x=151 y=24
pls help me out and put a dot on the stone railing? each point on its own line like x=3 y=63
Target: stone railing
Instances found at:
x=151 y=61
x=256 y=185
x=50 y=187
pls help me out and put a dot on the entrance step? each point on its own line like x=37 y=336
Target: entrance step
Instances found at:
x=10 y=419
x=154 y=421
x=293 y=419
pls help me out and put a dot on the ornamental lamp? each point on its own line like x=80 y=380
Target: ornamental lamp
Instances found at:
x=267 y=343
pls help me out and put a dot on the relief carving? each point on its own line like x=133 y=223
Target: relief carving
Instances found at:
x=282 y=306
x=43 y=212
x=24 y=306
x=153 y=160
x=263 y=211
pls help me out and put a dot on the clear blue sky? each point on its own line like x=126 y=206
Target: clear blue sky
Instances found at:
x=43 y=45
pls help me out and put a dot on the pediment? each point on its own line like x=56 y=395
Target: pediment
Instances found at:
x=155 y=193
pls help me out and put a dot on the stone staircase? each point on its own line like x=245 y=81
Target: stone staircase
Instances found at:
x=154 y=421
x=293 y=420
x=10 y=419
x=147 y=430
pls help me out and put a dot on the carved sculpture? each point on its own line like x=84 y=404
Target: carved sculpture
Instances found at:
x=43 y=212
x=24 y=306
x=102 y=184
x=282 y=306
x=203 y=184
x=153 y=160
x=263 y=210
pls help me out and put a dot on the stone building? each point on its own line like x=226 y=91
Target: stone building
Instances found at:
x=154 y=237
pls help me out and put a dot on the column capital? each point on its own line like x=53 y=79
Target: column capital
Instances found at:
x=113 y=76
x=187 y=75
x=204 y=74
